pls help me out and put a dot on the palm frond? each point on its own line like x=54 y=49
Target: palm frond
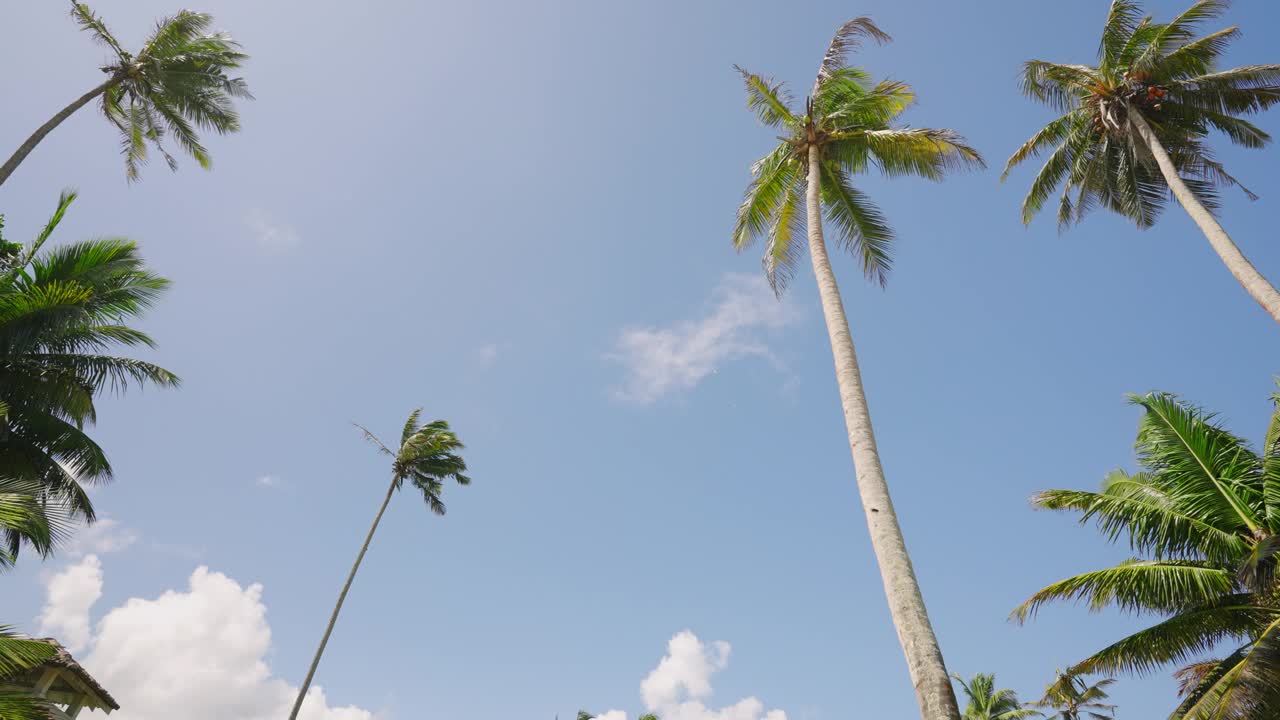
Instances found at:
x=848 y=38
x=1122 y=20
x=768 y=100
x=772 y=178
x=862 y=229
x=783 y=250
x=1137 y=586
x=1181 y=637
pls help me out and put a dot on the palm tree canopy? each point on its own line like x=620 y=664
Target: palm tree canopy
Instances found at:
x=427 y=456
x=1167 y=72
x=1204 y=515
x=986 y=702
x=1071 y=698
x=177 y=84
x=851 y=118
x=61 y=312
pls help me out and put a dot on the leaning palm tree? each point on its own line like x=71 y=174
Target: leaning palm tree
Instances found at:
x=61 y=312
x=1069 y=697
x=176 y=83
x=846 y=127
x=1133 y=127
x=1204 y=515
x=427 y=457
x=986 y=702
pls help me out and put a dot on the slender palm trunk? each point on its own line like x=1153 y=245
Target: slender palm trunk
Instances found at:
x=25 y=149
x=333 y=619
x=1248 y=276
x=906 y=605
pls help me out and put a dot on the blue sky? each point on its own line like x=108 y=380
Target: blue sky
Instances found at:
x=488 y=209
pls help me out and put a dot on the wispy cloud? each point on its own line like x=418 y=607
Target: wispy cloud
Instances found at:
x=661 y=361
x=270 y=233
x=107 y=535
x=269 y=481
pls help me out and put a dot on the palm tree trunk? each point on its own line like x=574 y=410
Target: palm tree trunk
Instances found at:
x=333 y=619
x=906 y=605
x=25 y=149
x=1248 y=276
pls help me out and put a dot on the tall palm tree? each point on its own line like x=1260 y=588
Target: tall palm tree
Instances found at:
x=846 y=127
x=61 y=311
x=1205 y=513
x=584 y=715
x=427 y=457
x=1133 y=127
x=986 y=702
x=176 y=83
x=1069 y=697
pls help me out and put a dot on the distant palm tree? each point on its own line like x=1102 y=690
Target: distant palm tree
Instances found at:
x=176 y=83
x=17 y=655
x=426 y=458
x=1134 y=125
x=1071 y=698
x=985 y=702
x=1205 y=510
x=846 y=128
x=61 y=310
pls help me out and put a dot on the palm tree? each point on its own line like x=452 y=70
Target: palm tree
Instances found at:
x=846 y=127
x=1071 y=698
x=1133 y=127
x=427 y=456
x=17 y=655
x=988 y=703
x=584 y=715
x=60 y=312
x=176 y=83
x=1205 y=511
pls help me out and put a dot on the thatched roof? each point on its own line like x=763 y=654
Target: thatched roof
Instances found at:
x=64 y=661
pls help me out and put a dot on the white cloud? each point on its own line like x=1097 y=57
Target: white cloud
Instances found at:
x=663 y=360
x=269 y=233
x=70 y=594
x=106 y=535
x=677 y=688
x=269 y=481
x=202 y=649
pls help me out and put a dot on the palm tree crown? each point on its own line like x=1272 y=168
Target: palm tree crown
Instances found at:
x=986 y=702
x=1071 y=698
x=1167 y=74
x=850 y=119
x=427 y=456
x=1205 y=510
x=176 y=83
x=60 y=312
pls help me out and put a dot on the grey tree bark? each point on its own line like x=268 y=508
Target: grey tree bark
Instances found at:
x=25 y=149
x=1258 y=287
x=342 y=596
x=906 y=604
